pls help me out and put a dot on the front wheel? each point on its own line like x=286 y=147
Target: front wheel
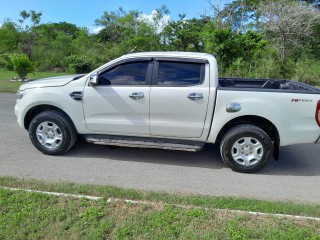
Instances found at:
x=246 y=148
x=52 y=132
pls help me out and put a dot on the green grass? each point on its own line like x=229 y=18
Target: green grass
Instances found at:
x=193 y=200
x=7 y=86
x=25 y=215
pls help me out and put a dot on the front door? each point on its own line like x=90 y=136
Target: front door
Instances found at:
x=119 y=104
x=179 y=98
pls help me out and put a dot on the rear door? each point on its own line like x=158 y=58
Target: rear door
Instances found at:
x=179 y=97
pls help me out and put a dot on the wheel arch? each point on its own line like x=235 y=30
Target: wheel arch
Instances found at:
x=265 y=124
x=32 y=112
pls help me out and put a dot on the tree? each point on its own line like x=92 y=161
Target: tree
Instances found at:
x=9 y=37
x=123 y=32
x=184 y=34
x=79 y=63
x=239 y=15
x=117 y=25
x=49 y=31
x=287 y=25
x=35 y=17
x=28 y=36
x=316 y=3
x=229 y=46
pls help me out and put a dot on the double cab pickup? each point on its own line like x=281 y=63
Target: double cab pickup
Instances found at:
x=170 y=100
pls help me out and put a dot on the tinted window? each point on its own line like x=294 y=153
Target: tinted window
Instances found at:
x=133 y=73
x=179 y=73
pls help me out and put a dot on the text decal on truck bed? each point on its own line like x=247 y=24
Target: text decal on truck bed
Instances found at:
x=301 y=100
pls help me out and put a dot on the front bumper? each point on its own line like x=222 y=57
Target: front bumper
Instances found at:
x=17 y=112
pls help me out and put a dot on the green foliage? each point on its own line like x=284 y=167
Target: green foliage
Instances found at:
x=117 y=25
x=20 y=64
x=232 y=33
x=308 y=71
x=263 y=65
x=49 y=31
x=79 y=63
x=229 y=46
x=9 y=37
x=288 y=25
x=183 y=34
x=6 y=62
x=124 y=32
x=33 y=15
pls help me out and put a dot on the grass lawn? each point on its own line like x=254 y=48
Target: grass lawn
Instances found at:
x=7 y=86
x=25 y=215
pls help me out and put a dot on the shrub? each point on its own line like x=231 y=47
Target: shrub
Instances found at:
x=308 y=71
x=79 y=63
x=264 y=64
x=20 y=64
x=237 y=69
x=6 y=62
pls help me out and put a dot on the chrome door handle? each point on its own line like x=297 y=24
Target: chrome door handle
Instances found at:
x=195 y=96
x=136 y=95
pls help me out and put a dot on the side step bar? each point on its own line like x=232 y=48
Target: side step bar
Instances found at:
x=140 y=142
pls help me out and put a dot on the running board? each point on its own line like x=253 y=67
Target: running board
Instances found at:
x=139 y=142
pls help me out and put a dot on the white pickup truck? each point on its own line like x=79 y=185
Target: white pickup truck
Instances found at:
x=170 y=100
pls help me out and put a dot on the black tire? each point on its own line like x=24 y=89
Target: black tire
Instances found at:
x=241 y=143
x=63 y=128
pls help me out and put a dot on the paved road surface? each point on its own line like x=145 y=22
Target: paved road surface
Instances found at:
x=295 y=177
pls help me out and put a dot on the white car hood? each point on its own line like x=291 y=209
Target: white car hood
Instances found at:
x=49 y=82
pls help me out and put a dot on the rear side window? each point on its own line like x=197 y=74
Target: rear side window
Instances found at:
x=133 y=73
x=180 y=73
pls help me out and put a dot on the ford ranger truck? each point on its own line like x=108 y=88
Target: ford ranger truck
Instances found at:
x=170 y=100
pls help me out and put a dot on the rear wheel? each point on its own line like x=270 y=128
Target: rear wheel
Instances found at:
x=246 y=148
x=52 y=132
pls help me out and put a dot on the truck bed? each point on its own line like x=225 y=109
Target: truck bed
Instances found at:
x=266 y=84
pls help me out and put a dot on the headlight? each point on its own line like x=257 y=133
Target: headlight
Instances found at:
x=20 y=94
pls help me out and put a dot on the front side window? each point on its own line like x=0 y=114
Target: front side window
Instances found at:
x=133 y=73
x=179 y=73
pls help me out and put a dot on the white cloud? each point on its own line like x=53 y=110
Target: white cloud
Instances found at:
x=152 y=19
x=95 y=30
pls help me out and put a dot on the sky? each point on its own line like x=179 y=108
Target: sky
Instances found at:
x=84 y=12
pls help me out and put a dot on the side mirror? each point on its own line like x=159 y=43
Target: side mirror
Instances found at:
x=94 y=80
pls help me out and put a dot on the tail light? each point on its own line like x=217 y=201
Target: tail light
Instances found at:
x=317 y=116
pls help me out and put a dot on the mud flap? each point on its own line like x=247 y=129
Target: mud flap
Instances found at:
x=276 y=150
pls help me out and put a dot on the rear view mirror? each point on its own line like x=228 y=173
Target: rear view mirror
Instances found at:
x=94 y=80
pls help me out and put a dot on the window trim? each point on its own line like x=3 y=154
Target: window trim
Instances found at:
x=153 y=70
x=125 y=61
x=155 y=74
x=139 y=59
x=186 y=60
